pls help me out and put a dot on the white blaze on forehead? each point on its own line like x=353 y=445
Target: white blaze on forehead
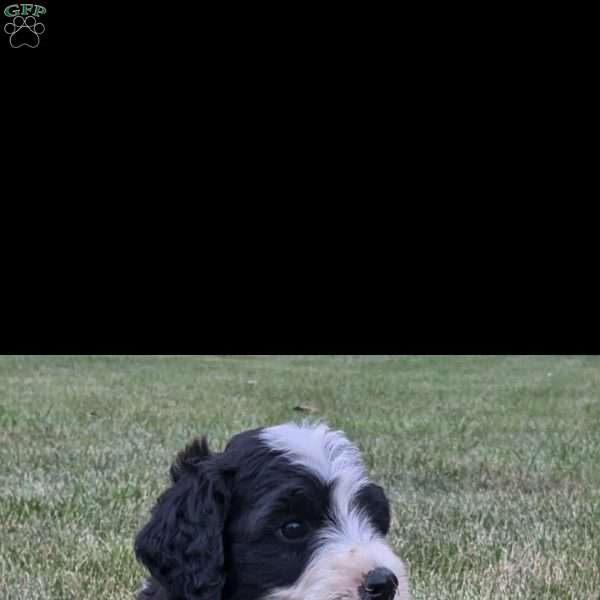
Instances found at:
x=328 y=454
x=333 y=459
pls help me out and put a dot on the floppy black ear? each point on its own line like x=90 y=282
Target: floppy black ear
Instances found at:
x=373 y=500
x=182 y=545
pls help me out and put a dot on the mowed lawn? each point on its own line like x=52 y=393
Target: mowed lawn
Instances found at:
x=492 y=464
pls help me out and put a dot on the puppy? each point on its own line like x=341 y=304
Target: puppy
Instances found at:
x=284 y=513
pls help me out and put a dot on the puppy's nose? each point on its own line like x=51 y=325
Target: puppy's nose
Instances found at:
x=381 y=584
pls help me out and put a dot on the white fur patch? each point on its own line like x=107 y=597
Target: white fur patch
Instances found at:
x=350 y=547
x=328 y=454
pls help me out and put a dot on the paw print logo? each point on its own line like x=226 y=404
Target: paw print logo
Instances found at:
x=24 y=31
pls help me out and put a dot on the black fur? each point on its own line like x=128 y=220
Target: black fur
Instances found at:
x=372 y=499
x=182 y=545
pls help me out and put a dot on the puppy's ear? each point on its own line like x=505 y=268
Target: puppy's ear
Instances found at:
x=373 y=500
x=182 y=545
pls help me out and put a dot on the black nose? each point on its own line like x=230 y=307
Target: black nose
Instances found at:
x=381 y=584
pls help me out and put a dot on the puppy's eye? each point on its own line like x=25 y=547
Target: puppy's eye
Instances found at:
x=294 y=530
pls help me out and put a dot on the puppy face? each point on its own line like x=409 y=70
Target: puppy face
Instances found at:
x=285 y=513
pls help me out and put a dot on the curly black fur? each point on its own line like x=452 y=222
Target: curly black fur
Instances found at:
x=182 y=545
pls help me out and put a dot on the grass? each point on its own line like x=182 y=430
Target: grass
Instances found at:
x=492 y=464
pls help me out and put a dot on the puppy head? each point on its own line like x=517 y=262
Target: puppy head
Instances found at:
x=284 y=513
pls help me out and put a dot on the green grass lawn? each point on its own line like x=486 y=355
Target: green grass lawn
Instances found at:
x=492 y=464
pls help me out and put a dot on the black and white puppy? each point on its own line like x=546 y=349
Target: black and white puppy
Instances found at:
x=284 y=513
